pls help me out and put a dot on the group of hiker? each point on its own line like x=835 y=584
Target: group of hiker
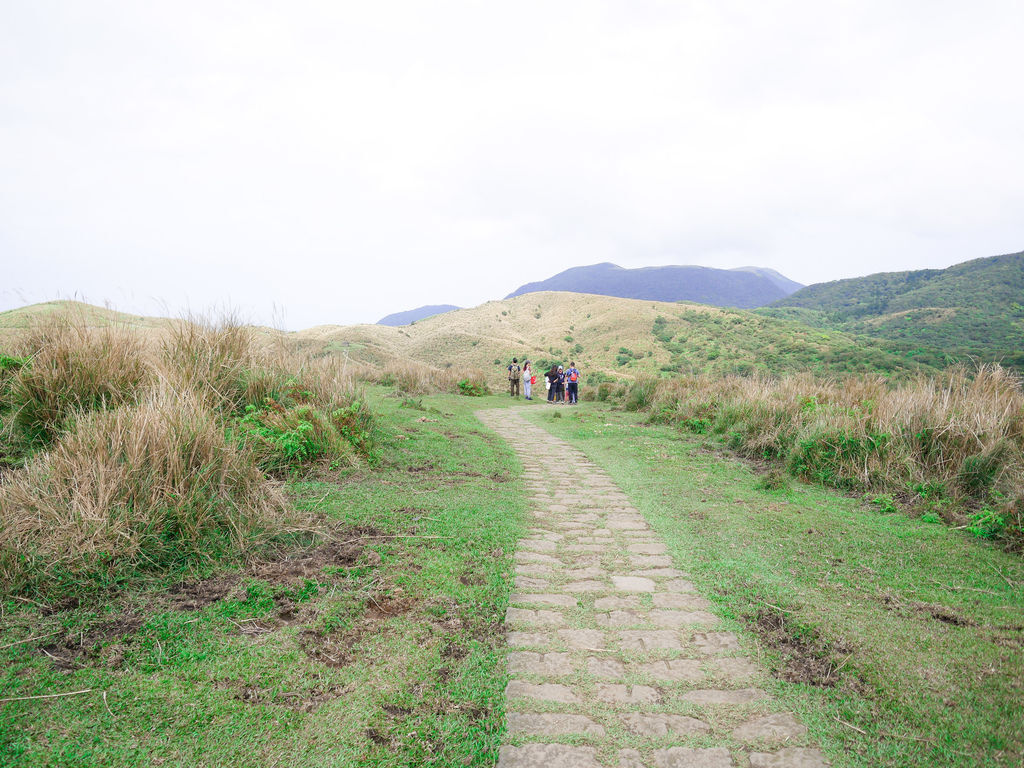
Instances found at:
x=562 y=384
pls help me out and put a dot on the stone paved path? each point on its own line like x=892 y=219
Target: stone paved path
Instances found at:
x=615 y=659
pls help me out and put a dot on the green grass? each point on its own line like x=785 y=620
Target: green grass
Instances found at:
x=748 y=342
x=416 y=621
x=968 y=312
x=860 y=587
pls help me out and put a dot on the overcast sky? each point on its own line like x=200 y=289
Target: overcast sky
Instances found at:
x=331 y=162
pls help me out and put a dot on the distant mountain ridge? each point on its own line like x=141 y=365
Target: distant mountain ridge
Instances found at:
x=420 y=313
x=745 y=288
x=969 y=310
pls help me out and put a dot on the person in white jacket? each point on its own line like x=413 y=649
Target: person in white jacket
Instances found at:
x=527 y=380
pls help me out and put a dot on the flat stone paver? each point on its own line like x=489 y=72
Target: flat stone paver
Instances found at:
x=616 y=660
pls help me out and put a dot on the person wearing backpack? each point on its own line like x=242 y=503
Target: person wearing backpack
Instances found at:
x=572 y=385
x=514 y=372
x=527 y=380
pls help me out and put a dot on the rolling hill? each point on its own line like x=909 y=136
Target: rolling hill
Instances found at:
x=745 y=287
x=412 y=315
x=611 y=337
x=608 y=337
x=969 y=310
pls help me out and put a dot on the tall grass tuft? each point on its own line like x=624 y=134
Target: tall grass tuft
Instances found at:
x=415 y=378
x=221 y=359
x=134 y=451
x=72 y=368
x=959 y=434
x=136 y=487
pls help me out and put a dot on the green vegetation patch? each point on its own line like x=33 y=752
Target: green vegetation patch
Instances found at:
x=379 y=645
x=970 y=311
x=896 y=641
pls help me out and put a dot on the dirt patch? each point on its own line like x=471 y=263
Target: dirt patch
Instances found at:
x=196 y=595
x=300 y=701
x=806 y=658
x=428 y=467
x=60 y=606
x=338 y=649
x=944 y=614
x=287 y=570
x=294 y=569
x=100 y=643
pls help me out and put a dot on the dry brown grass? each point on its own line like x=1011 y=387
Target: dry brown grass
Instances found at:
x=416 y=378
x=959 y=434
x=138 y=452
x=133 y=487
x=75 y=367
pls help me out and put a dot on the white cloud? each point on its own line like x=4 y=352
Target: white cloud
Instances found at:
x=346 y=160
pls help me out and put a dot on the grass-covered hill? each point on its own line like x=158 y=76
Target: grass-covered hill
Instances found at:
x=613 y=336
x=412 y=315
x=744 y=287
x=605 y=335
x=972 y=309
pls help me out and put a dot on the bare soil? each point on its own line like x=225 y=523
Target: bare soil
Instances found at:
x=806 y=658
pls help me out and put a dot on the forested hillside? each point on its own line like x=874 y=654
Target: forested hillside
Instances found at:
x=972 y=309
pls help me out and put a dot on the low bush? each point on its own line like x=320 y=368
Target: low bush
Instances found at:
x=472 y=388
x=640 y=394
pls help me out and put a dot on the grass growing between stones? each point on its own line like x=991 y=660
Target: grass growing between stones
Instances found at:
x=898 y=642
x=381 y=647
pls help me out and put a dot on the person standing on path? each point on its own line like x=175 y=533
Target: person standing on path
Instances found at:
x=514 y=372
x=552 y=377
x=527 y=380
x=572 y=378
x=560 y=385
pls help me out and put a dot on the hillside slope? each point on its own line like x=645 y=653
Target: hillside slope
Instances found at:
x=412 y=315
x=745 y=287
x=612 y=337
x=973 y=309
x=605 y=335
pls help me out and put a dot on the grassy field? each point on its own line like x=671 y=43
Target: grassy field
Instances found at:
x=897 y=641
x=381 y=647
x=609 y=337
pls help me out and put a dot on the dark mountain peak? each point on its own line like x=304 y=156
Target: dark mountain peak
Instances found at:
x=746 y=287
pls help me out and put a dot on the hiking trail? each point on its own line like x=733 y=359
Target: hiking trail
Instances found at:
x=615 y=659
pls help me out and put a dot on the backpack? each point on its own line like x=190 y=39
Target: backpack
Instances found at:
x=573 y=375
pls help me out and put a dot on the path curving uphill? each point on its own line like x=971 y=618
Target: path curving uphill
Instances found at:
x=615 y=659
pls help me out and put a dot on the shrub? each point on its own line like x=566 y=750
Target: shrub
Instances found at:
x=137 y=487
x=472 y=388
x=284 y=439
x=640 y=394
